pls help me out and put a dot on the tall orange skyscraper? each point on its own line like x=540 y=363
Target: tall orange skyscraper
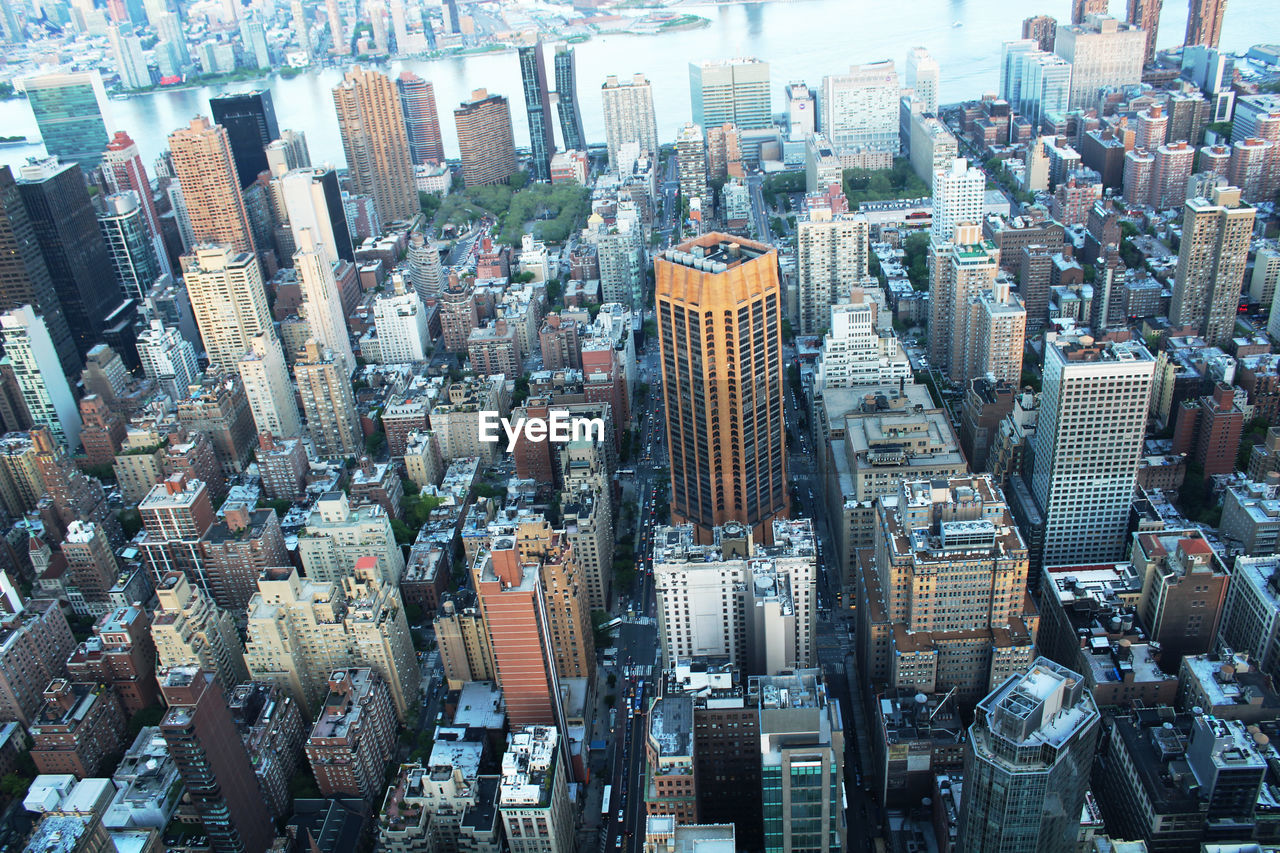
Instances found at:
x=379 y=163
x=719 y=307
x=206 y=172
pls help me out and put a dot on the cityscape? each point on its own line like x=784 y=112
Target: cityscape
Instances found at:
x=680 y=448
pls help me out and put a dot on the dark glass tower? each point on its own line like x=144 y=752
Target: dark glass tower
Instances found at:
x=79 y=262
x=250 y=120
x=24 y=276
x=567 y=105
x=537 y=104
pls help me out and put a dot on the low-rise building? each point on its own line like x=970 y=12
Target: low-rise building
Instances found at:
x=1228 y=686
x=147 y=783
x=77 y=729
x=917 y=736
x=1251 y=516
x=444 y=803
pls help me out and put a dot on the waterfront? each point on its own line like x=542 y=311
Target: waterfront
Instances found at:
x=783 y=33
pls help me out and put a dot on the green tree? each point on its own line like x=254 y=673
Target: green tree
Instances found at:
x=130 y=520
x=373 y=444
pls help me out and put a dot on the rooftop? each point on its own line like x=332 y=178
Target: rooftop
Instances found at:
x=671 y=726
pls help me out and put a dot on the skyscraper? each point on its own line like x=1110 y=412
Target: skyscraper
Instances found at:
x=250 y=120
x=341 y=42
x=831 y=260
x=537 y=105
x=860 y=110
x=205 y=168
x=418 y=101
x=1093 y=415
x=1146 y=14
x=1211 y=264
x=322 y=303
x=266 y=384
x=1081 y=9
x=131 y=64
x=123 y=169
x=691 y=162
x=68 y=111
x=922 y=78
x=1026 y=765
x=957 y=198
x=736 y=91
x=324 y=384
x=1204 y=22
x=229 y=301
x=253 y=38
x=29 y=352
x=485 y=139
x=313 y=202
x=719 y=327
x=1103 y=53
x=133 y=257
x=567 y=104
x=1041 y=28
x=963 y=268
x=629 y=115
x=24 y=275
x=63 y=219
x=212 y=760
x=375 y=142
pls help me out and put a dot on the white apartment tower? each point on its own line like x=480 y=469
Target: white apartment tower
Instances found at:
x=1103 y=52
x=401 y=321
x=321 y=302
x=752 y=603
x=1088 y=441
x=861 y=348
x=831 y=260
x=168 y=358
x=629 y=115
x=267 y=386
x=228 y=299
x=958 y=195
x=922 y=79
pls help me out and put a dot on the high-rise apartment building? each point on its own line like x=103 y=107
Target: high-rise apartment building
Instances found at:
x=860 y=347
x=735 y=91
x=266 y=384
x=300 y=630
x=68 y=111
x=168 y=358
x=719 y=328
x=123 y=169
x=205 y=167
x=33 y=359
x=65 y=225
x=250 y=120
x=379 y=163
x=537 y=105
x=321 y=302
x=131 y=63
x=354 y=735
x=629 y=115
x=215 y=767
x=802 y=752
x=237 y=549
x=91 y=568
x=832 y=252
x=133 y=257
x=943 y=605
x=998 y=329
x=34 y=645
x=567 y=100
x=1103 y=53
x=229 y=301
x=1027 y=762
x=860 y=110
x=1041 y=29
x=339 y=39
x=1145 y=14
x=1204 y=22
x=486 y=141
x=957 y=198
x=324 y=383
x=962 y=269
x=922 y=79
x=1169 y=173
x=1088 y=442
x=189 y=629
x=1211 y=264
x=418 y=102
x=534 y=797
x=24 y=274
x=338 y=536
x=1045 y=86
x=1082 y=9
x=691 y=163
x=734 y=598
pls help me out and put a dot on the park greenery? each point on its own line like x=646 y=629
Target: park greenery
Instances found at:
x=883 y=184
x=550 y=212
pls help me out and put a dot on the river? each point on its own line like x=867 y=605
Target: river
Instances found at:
x=801 y=39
